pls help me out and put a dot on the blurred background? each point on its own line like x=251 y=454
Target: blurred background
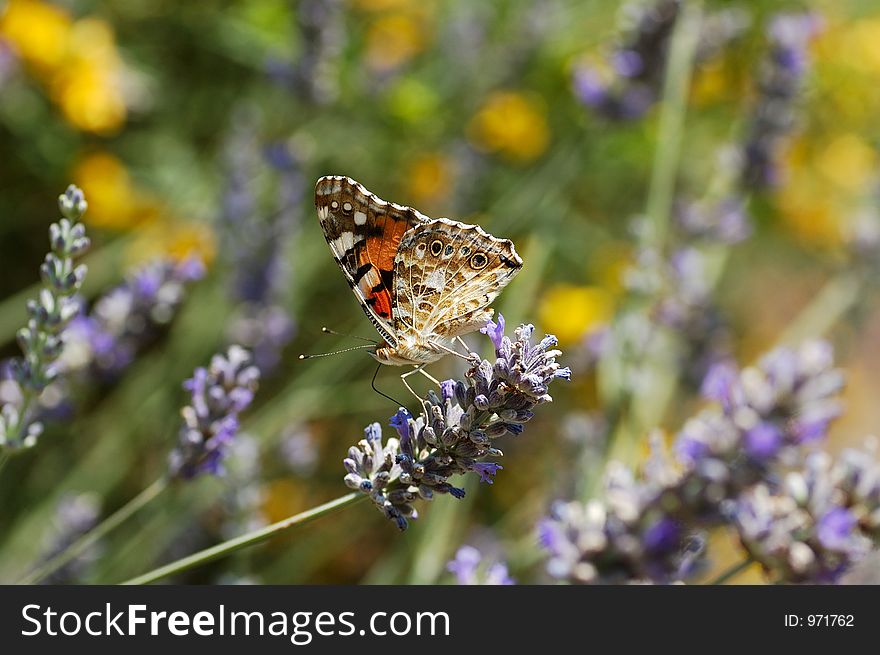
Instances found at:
x=666 y=219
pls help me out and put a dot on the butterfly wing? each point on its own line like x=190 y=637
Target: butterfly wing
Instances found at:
x=364 y=233
x=446 y=274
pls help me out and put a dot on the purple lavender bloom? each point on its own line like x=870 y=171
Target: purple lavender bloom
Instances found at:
x=809 y=526
x=589 y=87
x=75 y=515
x=455 y=434
x=495 y=332
x=447 y=389
x=256 y=225
x=210 y=422
x=486 y=470
x=782 y=74
x=128 y=318
x=470 y=569
x=763 y=441
x=835 y=528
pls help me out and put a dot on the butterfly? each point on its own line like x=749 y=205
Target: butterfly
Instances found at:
x=423 y=282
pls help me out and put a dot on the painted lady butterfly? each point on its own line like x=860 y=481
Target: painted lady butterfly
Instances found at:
x=421 y=281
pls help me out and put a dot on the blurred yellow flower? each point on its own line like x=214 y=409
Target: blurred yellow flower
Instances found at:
x=38 y=31
x=848 y=162
x=176 y=238
x=76 y=61
x=571 y=312
x=281 y=498
x=807 y=207
x=382 y=5
x=866 y=40
x=113 y=200
x=393 y=40
x=512 y=124
x=88 y=87
x=430 y=178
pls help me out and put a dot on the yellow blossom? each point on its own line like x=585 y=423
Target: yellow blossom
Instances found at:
x=174 y=237
x=88 y=87
x=394 y=39
x=512 y=124
x=571 y=312
x=113 y=200
x=38 y=31
x=429 y=179
x=847 y=162
x=381 y=5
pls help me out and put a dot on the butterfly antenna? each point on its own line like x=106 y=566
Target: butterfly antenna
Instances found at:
x=327 y=330
x=337 y=352
x=385 y=395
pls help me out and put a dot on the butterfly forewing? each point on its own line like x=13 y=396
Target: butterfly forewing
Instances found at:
x=364 y=233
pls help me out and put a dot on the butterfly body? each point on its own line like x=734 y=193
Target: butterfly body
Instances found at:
x=421 y=281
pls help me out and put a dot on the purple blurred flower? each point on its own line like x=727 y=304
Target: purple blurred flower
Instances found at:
x=469 y=569
x=210 y=422
x=781 y=77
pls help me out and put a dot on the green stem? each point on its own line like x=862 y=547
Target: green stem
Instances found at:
x=829 y=305
x=673 y=110
x=79 y=546
x=245 y=540
x=661 y=190
x=732 y=571
x=4 y=457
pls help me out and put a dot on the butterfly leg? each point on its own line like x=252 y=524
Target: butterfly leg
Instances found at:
x=417 y=369
x=471 y=353
x=422 y=370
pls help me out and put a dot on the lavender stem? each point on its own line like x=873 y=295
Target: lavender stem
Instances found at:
x=673 y=111
x=248 y=539
x=732 y=571
x=79 y=546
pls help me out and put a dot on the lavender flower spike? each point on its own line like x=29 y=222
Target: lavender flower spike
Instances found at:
x=456 y=433
x=210 y=422
x=42 y=340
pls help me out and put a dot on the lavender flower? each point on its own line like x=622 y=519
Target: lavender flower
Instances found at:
x=818 y=522
x=261 y=207
x=469 y=569
x=314 y=76
x=636 y=64
x=723 y=221
x=103 y=342
x=298 y=450
x=454 y=434
x=75 y=515
x=42 y=339
x=649 y=527
x=630 y=81
x=210 y=422
x=782 y=73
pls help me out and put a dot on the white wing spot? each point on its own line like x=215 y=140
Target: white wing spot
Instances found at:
x=346 y=207
x=360 y=218
x=436 y=280
x=334 y=204
x=345 y=242
x=323 y=212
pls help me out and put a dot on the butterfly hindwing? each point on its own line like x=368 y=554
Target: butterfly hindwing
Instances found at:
x=446 y=274
x=364 y=232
